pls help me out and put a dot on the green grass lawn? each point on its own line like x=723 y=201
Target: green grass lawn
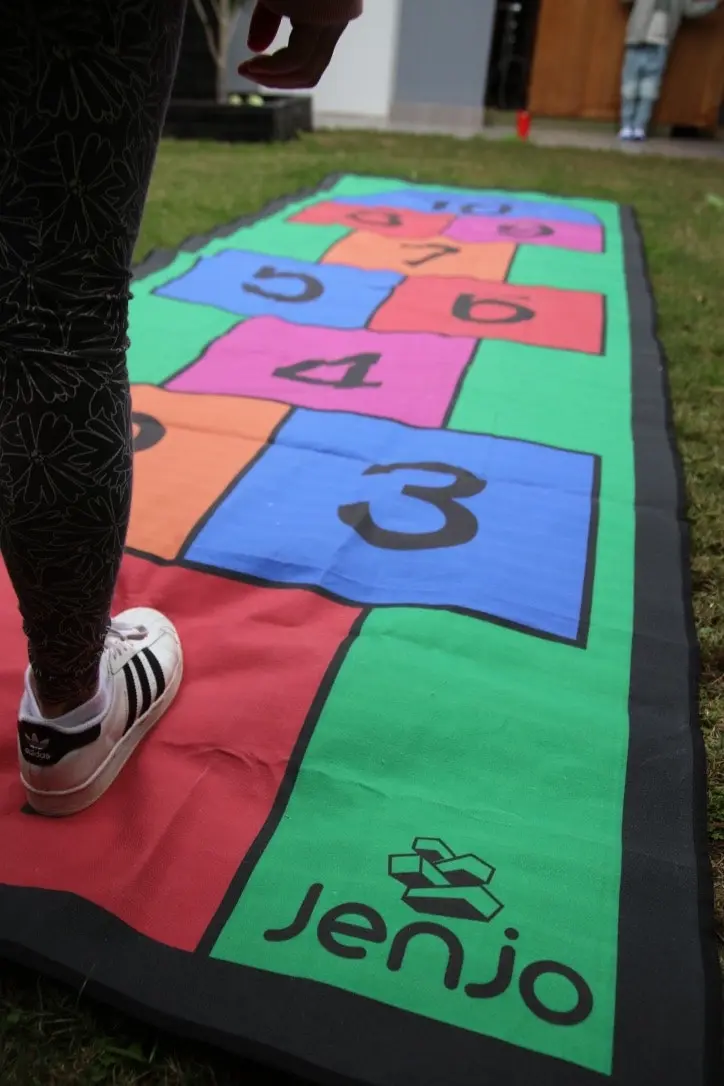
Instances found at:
x=51 y=1037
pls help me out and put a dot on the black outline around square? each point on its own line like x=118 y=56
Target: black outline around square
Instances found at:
x=489 y=338
x=476 y=345
x=580 y=640
x=241 y=317
x=446 y=189
x=386 y=301
x=518 y=243
x=422 y=241
x=668 y=1014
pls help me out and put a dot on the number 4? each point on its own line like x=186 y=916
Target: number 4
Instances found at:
x=358 y=366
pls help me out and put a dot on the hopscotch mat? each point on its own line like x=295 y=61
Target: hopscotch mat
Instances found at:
x=430 y=806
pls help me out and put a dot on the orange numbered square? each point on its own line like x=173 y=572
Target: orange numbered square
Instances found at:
x=187 y=450
x=438 y=256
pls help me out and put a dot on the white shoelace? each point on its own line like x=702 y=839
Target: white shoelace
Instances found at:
x=121 y=632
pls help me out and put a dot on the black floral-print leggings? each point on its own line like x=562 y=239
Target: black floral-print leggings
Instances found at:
x=84 y=86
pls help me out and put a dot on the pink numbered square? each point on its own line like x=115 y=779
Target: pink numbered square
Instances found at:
x=584 y=238
x=411 y=377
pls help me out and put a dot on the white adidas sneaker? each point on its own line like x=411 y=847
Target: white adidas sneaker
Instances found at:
x=66 y=770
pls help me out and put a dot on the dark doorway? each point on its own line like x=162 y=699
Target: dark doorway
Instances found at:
x=196 y=74
x=511 y=55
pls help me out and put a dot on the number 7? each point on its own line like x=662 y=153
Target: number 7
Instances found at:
x=440 y=250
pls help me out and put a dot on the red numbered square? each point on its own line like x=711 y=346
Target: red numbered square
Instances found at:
x=391 y=222
x=161 y=847
x=568 y=320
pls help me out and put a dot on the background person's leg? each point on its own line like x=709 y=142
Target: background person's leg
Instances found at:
x=83 y=91
x=650 y=87
x=630 y=88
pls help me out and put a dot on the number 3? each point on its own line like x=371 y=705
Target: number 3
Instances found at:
x=460 y=524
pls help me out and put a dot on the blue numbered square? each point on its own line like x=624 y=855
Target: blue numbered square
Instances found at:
x=473 y=203
x=375 y=512
x=258 y=285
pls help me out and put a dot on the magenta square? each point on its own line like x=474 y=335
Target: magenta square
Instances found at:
x=562 y=235
x=410 y=377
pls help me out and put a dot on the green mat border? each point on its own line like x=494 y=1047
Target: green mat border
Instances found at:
x=668 y=981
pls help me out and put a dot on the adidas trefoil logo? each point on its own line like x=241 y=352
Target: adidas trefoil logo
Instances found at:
x=36 y=747
x=439 y=883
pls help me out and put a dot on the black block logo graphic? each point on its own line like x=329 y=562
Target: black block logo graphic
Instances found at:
x=439 y=883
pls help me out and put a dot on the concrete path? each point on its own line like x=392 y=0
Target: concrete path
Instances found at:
x=542 y=135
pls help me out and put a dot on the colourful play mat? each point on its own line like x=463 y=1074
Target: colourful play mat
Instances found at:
x=429 y=809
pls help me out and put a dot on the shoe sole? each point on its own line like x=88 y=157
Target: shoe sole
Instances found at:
x=75 y=800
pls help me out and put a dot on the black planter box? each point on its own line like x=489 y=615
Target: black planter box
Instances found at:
x=278 y=119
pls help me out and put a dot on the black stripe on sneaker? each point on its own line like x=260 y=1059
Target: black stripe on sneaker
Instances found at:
x=157 y=671
x=144 y=684
x=132 y=698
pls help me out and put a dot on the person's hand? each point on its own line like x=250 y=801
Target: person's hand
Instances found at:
x=304 y=60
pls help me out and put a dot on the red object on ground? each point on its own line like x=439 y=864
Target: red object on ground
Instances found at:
x=523 y=125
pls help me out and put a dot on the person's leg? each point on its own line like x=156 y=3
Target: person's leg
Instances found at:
x=83 y=90
x=650 y=88
x=629 y=89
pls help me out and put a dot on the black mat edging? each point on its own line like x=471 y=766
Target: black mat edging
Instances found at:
x=661 y=486
x=158 y=259
x=356 y=1040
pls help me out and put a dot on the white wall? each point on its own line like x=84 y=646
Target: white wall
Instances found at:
x=361 y=77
